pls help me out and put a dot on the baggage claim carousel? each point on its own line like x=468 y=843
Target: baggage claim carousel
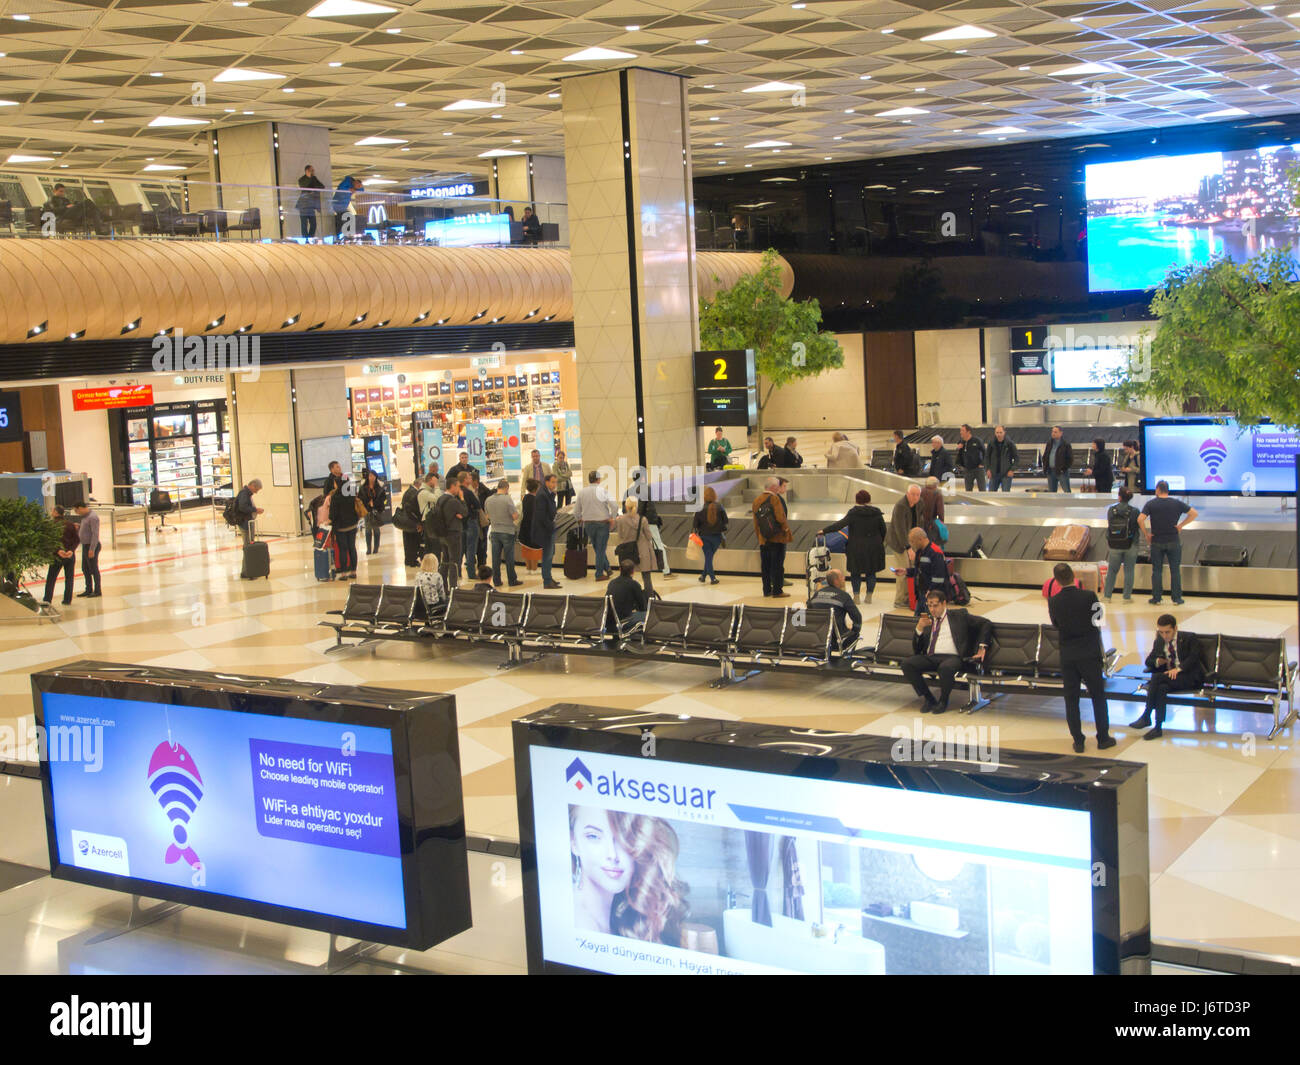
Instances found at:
x=1009 y=527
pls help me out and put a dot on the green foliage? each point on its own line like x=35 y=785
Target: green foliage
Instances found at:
x=28 y=538
x=783 y=332
x=1230 y=335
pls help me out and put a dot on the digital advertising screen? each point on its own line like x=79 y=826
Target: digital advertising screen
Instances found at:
x=638 y=865
x=1085 y=369
x=1148 y=216
x=1217 y=456
x=281 y=812
x=468 y=229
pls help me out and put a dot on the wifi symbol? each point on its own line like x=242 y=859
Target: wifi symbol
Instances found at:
x=176 y=785
x=1213 y=453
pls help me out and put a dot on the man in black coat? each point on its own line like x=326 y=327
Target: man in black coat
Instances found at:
x=543 y=530
x=1077 y=615
x=1002 y=459
x=940 y=460
x=944 y=639
x=1175 y=665
x=904 y=456
x=1058 y=457
x=970 y=459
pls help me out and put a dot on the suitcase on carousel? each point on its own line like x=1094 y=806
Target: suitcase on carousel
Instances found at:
x=257 y=561
x=1067 y=543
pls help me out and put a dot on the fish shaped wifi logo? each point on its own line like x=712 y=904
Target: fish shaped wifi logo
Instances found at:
x=1212 y=453
x=176 y=785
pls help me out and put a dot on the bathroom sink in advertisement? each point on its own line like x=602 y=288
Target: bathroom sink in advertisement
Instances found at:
x=654 y=866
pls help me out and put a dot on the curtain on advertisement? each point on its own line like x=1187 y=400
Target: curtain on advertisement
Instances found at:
x=792 y=880
x=758 y=852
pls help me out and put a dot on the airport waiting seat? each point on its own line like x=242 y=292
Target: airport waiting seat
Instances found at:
x=759 y=631
x=810 y=635
x=464 y=616
x=666 y=625
x=711 y=629
x=249 y=221
x=503 y=615
x=584 y=620
x=357 y=618
x=894 y=640
x=1049 y=652
x=544 y=618
x=396 y=607
x=1012 y=651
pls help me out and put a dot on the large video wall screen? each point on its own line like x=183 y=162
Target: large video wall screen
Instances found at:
x=698 y=861
x=1147 y=216
x=287 y=802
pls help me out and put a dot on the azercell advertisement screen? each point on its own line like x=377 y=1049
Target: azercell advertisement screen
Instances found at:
x=1147 y=216
x=651 y=866
x=1206 y=456
x=284 y=811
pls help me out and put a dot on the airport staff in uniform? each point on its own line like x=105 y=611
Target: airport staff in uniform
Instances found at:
x=1077 y=615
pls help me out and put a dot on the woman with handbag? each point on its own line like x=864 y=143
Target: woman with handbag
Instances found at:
x=864 y=554
x=633 y=533
x=710 y=525
x=373 y=495
x=346 y=511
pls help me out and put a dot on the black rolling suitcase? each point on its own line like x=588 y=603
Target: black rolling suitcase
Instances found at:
x=1221 y=555
x=257 y=561
x=575 y=554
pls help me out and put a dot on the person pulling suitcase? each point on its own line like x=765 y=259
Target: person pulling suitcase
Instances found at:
x=257 y=556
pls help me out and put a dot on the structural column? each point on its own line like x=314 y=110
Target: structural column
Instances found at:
x=635 y=314
x=258 y=164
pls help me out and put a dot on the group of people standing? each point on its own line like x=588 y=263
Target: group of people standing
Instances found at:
x=990 y=466
x=83 y=533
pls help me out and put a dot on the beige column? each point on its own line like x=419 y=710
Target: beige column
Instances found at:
x=628 y=167
x=249 y=162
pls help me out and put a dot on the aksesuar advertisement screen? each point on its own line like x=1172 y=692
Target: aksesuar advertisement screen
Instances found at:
x=283 y=811
x=1086 y=369
x=652 y=866
x=1148 y=216
x=1208 y=456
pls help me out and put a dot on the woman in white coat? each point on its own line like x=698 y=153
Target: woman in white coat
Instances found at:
x=842 y=455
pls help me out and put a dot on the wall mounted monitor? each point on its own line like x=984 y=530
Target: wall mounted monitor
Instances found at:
x=1147 y=216
x=317 y=454
x=1085 y=369
x=11 y=417
x=751 y=848
x=328 y=807
x=1217 y=456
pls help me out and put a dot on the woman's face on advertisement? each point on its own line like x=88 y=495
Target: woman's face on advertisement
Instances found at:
x=605 y=862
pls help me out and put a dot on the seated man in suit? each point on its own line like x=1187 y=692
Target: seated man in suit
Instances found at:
x=1175 y=665
x=1076 y=614
x=943 y=640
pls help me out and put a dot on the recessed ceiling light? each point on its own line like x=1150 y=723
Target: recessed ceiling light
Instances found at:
x=336 y=63
x=367 y=141
x=1084 y=68
x=8 y=103
x=960 y=51
x=516 y=51
x=722 y=162
x=399 y=103
x=898 y=112
x=149 y=158
x=30 y=159
x=448 y=133
x=769 y=144
x=849 y=110
x=250 y=112
x=469 y=105
x=919 y=90
x=960 y=33
x=497 y=153
x=592 y=55
x=404 y=149
x=97 y=121
x=1022 y=68
x=702 y=40
x=286 y=90
x=342 y=8
x=837 y=138
x=22 y=18
x=631 y=29
x=864 y=77
x=155 y=73
x=496 y=116
x=713 y=118
x=718 y=144
x=1227 y=112
x=229 y=111
x=240 y=3
x=393 y=30
x=162 y=166
x=886 y=31
x=996 y=130
x=379 y=181
x=169 y=120
x=552 y=95
x=245 y=74
x=775 y=86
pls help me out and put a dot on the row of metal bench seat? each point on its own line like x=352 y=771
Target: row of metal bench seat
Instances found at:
x=1242 y=672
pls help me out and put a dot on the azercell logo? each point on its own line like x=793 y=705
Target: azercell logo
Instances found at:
x=578 y=775
x=640 y=789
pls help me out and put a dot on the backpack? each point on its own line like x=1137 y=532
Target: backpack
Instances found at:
x=958 y=593
x=765 y=520
x=435 y=522
x=231 y=514
x=407 y=516
x=1119 y=531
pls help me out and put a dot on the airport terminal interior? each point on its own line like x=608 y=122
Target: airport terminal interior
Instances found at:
x=316 y=307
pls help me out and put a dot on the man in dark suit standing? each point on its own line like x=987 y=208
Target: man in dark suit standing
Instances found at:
x=1175 y=665
x=543 y=530
x=1058 y=457
x=943 y=640
x=1077 y=615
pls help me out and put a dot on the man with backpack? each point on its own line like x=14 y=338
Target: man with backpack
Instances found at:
x=407 y=519
x=1122 y=541
x=773 y=531
x=970 y=459
x=907 y=463
x=444 y=523
x=245 y=510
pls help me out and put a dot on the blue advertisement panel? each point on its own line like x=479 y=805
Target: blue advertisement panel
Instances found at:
x=1205 y=456
x=546 y=436
x=572 y=436
x=510 y=445
x=476 y=445
x=285 y=811
x=431 y=449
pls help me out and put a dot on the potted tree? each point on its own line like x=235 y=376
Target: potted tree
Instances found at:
x=29 y=539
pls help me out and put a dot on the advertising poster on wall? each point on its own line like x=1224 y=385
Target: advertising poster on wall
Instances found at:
x=476 y=445
x=510 y=445
x=546 y=436
x=572 y=437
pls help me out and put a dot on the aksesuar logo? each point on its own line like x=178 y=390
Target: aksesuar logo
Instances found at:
x=643 y=789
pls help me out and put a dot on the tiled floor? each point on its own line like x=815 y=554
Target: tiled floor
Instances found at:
x=1225 y=801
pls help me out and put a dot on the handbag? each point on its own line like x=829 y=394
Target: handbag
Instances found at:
x=694 y=548
x=941 y=530
x=360 y=507
x=630 y=550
